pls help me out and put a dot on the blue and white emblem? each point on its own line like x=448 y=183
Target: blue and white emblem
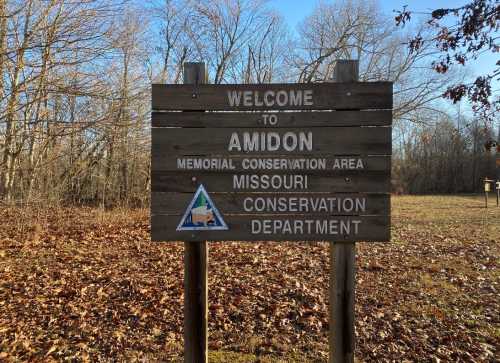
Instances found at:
x=202 y=214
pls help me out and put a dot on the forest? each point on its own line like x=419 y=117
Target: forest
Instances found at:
x=76 y=81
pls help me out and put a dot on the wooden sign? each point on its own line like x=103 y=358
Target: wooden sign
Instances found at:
x=258 y=97
x=280 y=162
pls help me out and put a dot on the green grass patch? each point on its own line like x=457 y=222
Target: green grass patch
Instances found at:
x=233 y=357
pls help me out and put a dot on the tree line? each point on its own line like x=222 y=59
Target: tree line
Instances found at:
x=450 y=155
x=75 y=81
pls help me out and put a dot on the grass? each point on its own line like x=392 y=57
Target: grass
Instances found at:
x=232 y=357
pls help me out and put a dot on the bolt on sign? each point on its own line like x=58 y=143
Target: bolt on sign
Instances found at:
x=271 y=162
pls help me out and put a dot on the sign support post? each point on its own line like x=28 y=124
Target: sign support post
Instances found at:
x=342 y=268
x=195 y=271
x=271 y=162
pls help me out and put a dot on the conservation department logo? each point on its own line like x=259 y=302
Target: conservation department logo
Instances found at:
x=202 y=214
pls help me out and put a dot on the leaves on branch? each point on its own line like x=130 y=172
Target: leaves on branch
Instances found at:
x=477 y=24
x=403 y=16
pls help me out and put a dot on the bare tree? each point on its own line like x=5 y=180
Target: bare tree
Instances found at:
x=44 y=42
x=263 y=61
x=241 y=40
x=75 y=85
x=359 y=30
x=174 y=44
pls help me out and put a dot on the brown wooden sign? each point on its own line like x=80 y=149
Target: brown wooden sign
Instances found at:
x=335 y=204
x=326 y=118
x=271 y=162
x=179 y=181
x=286 y=142
x=280 y=228
x=302 y=96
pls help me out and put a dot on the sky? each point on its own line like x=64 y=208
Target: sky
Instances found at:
x=296 y=10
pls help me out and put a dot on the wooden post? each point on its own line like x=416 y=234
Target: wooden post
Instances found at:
x=195 y=271
x=498 y=191
x=342 y=268
x=486 y=190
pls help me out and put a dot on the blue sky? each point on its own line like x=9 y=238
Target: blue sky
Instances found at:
x=295 y=10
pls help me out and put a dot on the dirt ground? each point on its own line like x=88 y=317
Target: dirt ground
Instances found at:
x=82 y=284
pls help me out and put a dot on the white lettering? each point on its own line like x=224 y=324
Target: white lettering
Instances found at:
x=343 y=227
x=281 y=98
x=271 y=141
x=258 y=102
x=234 y=98
x=332 y=205
x=247 y=98
x=295 y=98
x=290 y=141
x=239 y=181
x=265 y=181
x=348 y=164
x=270 y=98
x=251 y=143
x=234 y=142
x=247 y=209
x=308 y=97
x=181 y=163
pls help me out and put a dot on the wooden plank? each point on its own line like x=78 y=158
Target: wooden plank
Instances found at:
x=370 y=228
x=285 y=203
x=339 y=140
x=363 y=182
x=248 y=164
x=285 y=119
x=371 y=95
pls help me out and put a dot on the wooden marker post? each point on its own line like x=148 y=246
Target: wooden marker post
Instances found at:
x=487 y=189
x=498 y=191
x=195 y=270
x=486 y=195
x=342 y=268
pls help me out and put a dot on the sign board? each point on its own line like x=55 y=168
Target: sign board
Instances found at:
x=278 y=162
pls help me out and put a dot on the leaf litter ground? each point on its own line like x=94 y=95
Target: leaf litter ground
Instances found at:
x=82 y=284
